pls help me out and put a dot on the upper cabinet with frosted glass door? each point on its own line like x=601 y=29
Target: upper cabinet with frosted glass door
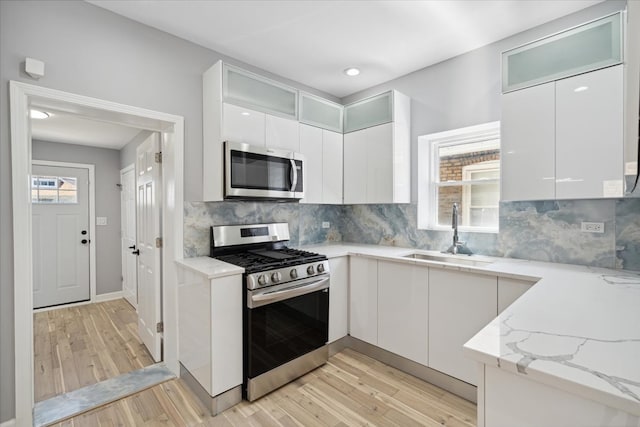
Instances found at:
x=321 y=145
x=250 y=90
x=244 y=107
x=588 y=47
x=377 y=149
x=562 y=115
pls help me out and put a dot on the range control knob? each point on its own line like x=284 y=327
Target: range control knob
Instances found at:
x=310 y=270
x=262 y=279
x=320 y=268
x=275 y=277
x=293 y=273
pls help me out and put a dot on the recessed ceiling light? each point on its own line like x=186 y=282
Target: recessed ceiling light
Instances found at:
x=37 y=114
x=352 y=71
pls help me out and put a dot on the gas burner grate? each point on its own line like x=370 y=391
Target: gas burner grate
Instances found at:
x=261 y=260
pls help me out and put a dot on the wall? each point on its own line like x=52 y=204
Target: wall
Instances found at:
x=107 y=170
x=93 y=52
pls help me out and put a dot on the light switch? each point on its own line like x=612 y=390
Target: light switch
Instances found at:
x=101 y=220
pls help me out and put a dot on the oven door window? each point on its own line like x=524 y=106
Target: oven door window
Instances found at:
x=285 y=330
x=260 y=172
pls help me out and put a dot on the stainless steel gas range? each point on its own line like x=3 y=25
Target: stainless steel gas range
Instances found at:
x=286 y=304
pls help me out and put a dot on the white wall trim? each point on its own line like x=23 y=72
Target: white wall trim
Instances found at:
x=9 y=423
x=109 y=296
x=92 y=217
x=22 y=97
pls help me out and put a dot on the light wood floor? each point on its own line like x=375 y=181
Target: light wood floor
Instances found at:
x=350 y=390
x=79 y=346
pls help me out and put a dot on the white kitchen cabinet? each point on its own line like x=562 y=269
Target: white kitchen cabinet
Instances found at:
x=403 y=295
x=321 y=113
x=376 y=156
x=210 y=329
x=282 y=133
x=355 y=167
x=527 y=132
x=510 y=290
x=589 y=135
x=241 y=124
x=339 y=298
x=332 y=163
x=460 y=304
x=311 y=148
x=564 y=139
x=363 y=299
x=251 y=90
x=323 y=165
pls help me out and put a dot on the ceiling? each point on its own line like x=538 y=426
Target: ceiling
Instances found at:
x=71 y=128
x=312 y=42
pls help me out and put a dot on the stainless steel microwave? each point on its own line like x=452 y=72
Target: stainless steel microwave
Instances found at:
x=261 y=172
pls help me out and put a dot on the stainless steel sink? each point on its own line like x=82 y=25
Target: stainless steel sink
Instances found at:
x=470 y=260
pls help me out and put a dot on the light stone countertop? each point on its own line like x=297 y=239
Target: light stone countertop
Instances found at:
x=210 y=268
x=577 y=328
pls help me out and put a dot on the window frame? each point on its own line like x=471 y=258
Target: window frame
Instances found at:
x=428 y=172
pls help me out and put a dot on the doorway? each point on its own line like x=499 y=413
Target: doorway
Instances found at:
x=170 y=127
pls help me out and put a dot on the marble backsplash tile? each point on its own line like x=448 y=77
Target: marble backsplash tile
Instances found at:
x=305 y=221
x=540 y=230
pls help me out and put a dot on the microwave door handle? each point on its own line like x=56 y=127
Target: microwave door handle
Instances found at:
x=293 y=175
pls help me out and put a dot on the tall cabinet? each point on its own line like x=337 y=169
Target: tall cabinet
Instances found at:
x=377 y=150
x=562 y=122
x=321 y=144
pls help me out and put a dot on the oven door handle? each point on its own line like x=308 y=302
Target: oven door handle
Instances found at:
x=293 y=175
x=269 y=297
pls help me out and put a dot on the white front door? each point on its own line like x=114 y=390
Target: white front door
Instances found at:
x=148 y=190
x=128 y=234
x=60 y=199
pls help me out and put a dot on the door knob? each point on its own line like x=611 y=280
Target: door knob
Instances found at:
x=83 y=232
x=136 y=252
x=132 y=247
x=84 y=241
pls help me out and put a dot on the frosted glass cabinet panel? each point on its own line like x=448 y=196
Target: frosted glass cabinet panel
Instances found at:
x=589 y=140
x=319 y=112
x=588 y=47
x=369 y=112
x=250 y=90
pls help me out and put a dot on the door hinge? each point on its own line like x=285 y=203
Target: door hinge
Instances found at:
x=160 y=327
x=158 y=242
x=159 y=157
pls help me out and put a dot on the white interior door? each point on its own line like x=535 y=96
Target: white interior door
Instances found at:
x=60 y=198
x=148 y=209
x=128 y=234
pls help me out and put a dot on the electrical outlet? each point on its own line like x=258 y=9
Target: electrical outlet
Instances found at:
x=326 y=224
x=592 y=227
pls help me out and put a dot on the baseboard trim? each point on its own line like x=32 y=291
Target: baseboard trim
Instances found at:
x=215 y=404
x=437 y=378
x=9 y=423
x=109 y=296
